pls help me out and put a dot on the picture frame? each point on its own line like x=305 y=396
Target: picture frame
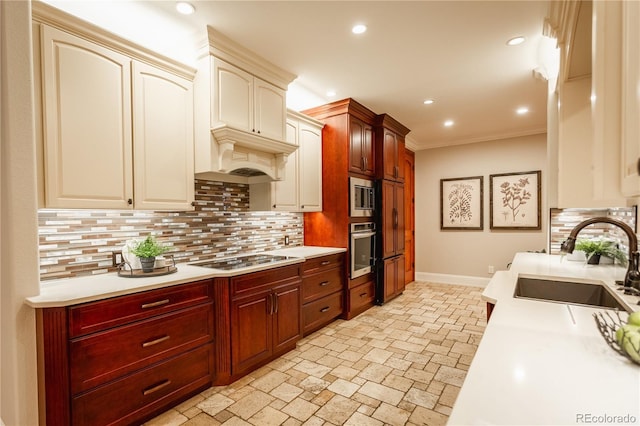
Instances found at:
x=514 y=201
x=461 y=203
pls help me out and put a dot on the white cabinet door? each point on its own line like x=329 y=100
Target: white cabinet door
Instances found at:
x=232 y=99
x=270 y=110
x=87 y=123
x=310 y=155
x=163 y=139
x=630 y=99
x=284 y=194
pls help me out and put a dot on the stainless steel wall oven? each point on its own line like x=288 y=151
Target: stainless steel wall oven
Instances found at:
x=363 y=245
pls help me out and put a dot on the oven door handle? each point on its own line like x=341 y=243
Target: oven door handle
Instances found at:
x=359 y=235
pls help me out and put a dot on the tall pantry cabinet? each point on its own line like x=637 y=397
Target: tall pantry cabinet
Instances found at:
x=390 y=147
x=347 y=150
x=360 y=143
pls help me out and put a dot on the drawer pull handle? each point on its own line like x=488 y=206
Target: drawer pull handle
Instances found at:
x=154 y=304
x=325 y=262
x=325 y=309
x=324 y=283
x=363 y=294
x=156 y=388
x=156 y=341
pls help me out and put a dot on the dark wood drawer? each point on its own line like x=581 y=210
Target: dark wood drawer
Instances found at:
x=250 y=284
x=362 y=295
x=317 y=264
x=102 y=357
x=97 y=316
x=321 y=312
x=130 y=399
x=321 y=284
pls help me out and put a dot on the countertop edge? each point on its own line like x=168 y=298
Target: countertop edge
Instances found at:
x=72 y=291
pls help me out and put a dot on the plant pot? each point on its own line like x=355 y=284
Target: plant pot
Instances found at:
x=147 y=263
x=594 y=259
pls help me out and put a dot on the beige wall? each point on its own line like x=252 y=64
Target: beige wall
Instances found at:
x=18 y=222
x=469 y=253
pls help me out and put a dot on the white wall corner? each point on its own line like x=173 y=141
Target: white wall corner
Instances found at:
x=452 y=279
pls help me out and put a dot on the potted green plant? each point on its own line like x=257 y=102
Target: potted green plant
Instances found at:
x=147 y=250
x=596 y=248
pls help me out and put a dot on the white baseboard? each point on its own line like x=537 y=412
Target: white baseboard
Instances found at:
x=452 y=279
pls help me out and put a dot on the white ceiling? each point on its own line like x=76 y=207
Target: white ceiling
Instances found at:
x=454 y=52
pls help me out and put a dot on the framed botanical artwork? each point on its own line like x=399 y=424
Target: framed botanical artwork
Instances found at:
x=461 y=203
x=514 y=201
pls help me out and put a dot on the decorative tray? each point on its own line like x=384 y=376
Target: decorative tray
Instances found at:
x=125 y=269
x=608 y=324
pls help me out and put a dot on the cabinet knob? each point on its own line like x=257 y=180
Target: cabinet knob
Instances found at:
x=130 y=201
x=302 y=206
x=638 y=166
x=193 y=203
x=274 y=206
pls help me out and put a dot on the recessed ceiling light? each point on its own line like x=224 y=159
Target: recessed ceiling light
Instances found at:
x=428 y=101
x=516 y=41
x=359 y=29
x=331 y=93
x=448 y=123
x=185 y=8
x=522 y=110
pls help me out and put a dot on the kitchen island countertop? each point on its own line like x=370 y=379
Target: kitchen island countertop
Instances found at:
x=72 y=291
x=545 y=363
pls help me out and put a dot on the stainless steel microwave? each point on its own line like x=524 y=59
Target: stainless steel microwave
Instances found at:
x=361 y=198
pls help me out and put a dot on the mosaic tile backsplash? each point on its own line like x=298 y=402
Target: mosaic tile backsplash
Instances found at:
x=562 y=221
x=80 y=242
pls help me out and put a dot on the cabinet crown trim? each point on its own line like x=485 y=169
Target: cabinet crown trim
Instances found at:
x=385 y=120
x=45 y=14
x=221 y=46
x=344 y=106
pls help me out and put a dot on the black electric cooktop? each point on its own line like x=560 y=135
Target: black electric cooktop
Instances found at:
x=239 y=262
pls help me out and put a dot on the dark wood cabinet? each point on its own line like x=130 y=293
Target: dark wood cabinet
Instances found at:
x=392 y=278
x=323 y=283
x=361 y=295
x=347 y=138
x=361 y=149
x=392 y=219
x=264 y=324
x=258 y=316
x=390 y=146
x=125 y=359
x=359 y=143
x=348 y=149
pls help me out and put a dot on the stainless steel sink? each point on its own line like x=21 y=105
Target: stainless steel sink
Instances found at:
x=574 y=293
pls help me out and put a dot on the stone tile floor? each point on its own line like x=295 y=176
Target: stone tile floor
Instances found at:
x=398 y=364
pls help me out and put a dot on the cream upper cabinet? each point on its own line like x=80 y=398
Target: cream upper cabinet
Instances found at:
x=310 y=158
x=116 y=127
x=163 y=139
x=630 y=99
x=285 y=194
x=246 y=102
x=301 y=190
x=270 y=109
x=86 y=92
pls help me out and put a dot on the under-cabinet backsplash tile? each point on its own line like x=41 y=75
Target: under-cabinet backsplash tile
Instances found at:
x=80 y=242
x=562 y=221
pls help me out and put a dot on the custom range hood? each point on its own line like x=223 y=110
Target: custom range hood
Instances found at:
x=240 y=104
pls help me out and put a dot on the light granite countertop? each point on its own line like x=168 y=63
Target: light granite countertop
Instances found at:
x=71 y=291
x=545 y=363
